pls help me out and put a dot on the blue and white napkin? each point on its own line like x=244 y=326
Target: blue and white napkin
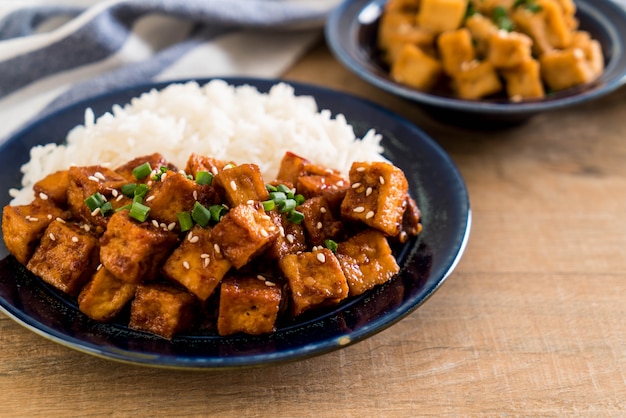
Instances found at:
x=55 y=53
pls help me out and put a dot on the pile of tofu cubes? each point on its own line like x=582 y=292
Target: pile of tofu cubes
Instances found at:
x=520 y=49
x=241 y=271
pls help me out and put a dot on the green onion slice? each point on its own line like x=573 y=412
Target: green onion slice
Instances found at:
x=125 y=207
x=331 y=245
x=217 y=212
x=185 y=221
x=299 y=199
x=106 y=208
x=271 y=188
x=278 y=196
x=295 y=217
x=139 y=211
x=200 y=214
x=95 y=201
x=286 y=205
x=268 y=205
x=128 y=190
x=141 y=190
x=142 y=171
x=204 y=178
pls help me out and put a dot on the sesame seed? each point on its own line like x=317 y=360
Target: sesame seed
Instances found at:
x=369 y=215
x=32 y=219
x=381 y=180
x=155 y=223
x=74 y=239
x=204 y=255
x=99 y=175
x=403 y=235
x=150 y=198
x=206 y=262
x=250 y=202
x=163 y=176
x=99 y=266
x=339 y=183
x=263 y=232
x=181 y=171
x=266 y=217
x=260 y=277
x=115 y=193
x=358 y=209
x=171 y=226
x=356 y=185
x=290 y=238
x=233 y=185
x=322 y=210
x=149 y=183
x=86 y=227
x=216 y=248
x=162 y=225
x=329 y=170
x=319 y=225
x=195 y=195
x=360 y=169
x=94 y=178
x=281 y=230
x=186 y=264
x=214 y=170
x=368 y=191
x=43 y=196
x=271 y=228
x=50 y=217
x=95 y=212
x=270 y=284
x=194 y=239
x=52 y=237
x=190 y=236
x=321 y=258
x=120 y=197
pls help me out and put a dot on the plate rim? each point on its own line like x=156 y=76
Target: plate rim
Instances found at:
x=295 y=354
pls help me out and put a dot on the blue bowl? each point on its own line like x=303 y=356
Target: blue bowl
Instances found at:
x=351 y=32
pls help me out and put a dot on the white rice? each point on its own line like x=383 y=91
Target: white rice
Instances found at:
x=237 y=124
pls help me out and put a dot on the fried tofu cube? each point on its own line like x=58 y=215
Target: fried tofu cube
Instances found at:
x=481 y=28
x=548 y=26
x=319 y=222
x=524 y=81
x=455 y=48
x=134 y=251
x=54 y=187
x=291 y=237
x=196 y=265
x=155 y=160
x=24 y=225
x=66 y=258
x=197 y=163
x=162 y=310
x=243 y=233
x=175 y=193
x=315 y=279
x=416 y=69
x=509 y=49
x=321 y=181
x=408 y=6
x=242 y=184
x=441 y=15
x=104 y=296
x=592 y=50
x=398 y=28
x=411 y=221
x=248 y=305
x=291 y=167
x=84 y=182
x=366 y=261
x=377 y=196
x=477 y=80
x=562 y=69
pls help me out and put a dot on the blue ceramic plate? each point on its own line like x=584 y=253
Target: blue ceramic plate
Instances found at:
x=351 y=32
x=434 y=182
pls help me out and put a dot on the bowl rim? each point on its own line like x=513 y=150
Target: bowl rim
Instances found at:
x=341 y=36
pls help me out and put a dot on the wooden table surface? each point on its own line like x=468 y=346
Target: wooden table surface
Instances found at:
x=532 y=322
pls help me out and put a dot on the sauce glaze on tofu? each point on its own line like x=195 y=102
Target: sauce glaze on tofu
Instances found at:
x=166 y=250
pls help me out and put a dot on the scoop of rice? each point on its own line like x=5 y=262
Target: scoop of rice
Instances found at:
x=231 y=123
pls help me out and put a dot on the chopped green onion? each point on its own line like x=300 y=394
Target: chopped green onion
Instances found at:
x=139 y=211
x=501 y=19
x=295 y=217
x=200 y=214
x=271 y=188
x=268 y=205
x=471 y=10
x=141 y=191
x=162 y=170
x=217 y=212
x=106 y=208
x=286 y=205
x=185 y=221
x=142 y=171
x=299 y=199
x=128 y=190
x=204 y=178
x=278 y=196
x=94 y=201
x=283 y=188
x=331 y=245
x=138 y=199
x=125 y=207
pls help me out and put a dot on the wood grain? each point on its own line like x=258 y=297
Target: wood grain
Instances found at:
x=530 y=324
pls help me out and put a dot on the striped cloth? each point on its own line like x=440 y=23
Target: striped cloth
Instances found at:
x=53 y=54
